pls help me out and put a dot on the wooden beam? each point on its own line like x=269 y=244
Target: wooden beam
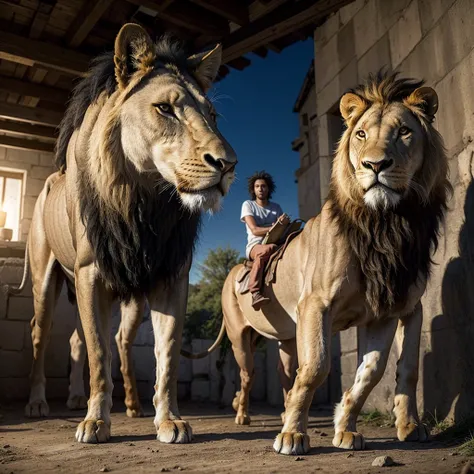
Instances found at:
x=32 y=89
x=239 y=63
x=25 y=144
x=262 y=52
x=28 y=130
x=34 y=115
x=187 y=15
x=85 y=20
x=27 y=51
x=41 y=18
x=233 y=10
x=278 y=23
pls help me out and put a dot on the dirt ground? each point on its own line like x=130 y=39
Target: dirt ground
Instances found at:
x=219 y=446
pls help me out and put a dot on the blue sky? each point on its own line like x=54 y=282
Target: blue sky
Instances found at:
x=256 y=105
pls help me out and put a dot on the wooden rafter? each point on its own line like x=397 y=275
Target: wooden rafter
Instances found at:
x=28 y=130
x=278 y=23
x=32 y=89
x=27 y=51
x=233 y=10
x=25 y=144
x=86 y=19
x=30 y=114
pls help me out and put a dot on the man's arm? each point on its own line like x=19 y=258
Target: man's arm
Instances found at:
x=254 y=228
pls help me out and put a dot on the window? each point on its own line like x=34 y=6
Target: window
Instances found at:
x=11 y=190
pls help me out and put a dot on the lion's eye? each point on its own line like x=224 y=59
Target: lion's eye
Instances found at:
x=404 y=131
x=360 y=134
x=165 y=109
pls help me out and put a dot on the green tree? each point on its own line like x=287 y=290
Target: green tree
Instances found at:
x=204 y=311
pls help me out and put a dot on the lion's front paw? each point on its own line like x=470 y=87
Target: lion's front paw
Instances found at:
x=135 y=412
x=349 y=440
x=236 y=401
x=175 y=431
x=93 y=431
x=37 y=409
x=77 y=402
x=413 y=432
x=242 y=420
x=291 y=443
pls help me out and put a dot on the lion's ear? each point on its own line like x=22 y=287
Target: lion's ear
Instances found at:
x=351 y=105
x=134 y=50
x=426 y=99
x=205 y=65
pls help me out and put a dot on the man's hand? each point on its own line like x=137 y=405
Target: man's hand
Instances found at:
x=284 y=219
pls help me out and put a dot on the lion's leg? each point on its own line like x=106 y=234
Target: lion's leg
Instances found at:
x=244 y=349
x=168 y=307
x=77 y=395
x=313 y=334
x=131 y=318
x=95 y=305
x=379 y=338
x=409 y=427
x=46 y=289
x=286 y=367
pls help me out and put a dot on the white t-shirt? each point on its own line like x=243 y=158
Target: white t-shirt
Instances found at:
x=264 y=217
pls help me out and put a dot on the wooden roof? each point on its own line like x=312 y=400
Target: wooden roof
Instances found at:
x=45 y=45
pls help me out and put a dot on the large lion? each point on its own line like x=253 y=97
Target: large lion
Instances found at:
x=140 y=158
x=364 y=261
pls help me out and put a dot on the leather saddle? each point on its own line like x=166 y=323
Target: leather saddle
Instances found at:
x=292 y=230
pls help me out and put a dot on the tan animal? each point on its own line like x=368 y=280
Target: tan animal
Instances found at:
x=143 y=157
x=364 y=261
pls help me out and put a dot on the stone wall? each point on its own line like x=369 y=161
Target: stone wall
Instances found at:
x=434 y=40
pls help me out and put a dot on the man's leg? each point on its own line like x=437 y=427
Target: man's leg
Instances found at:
x=260 y=255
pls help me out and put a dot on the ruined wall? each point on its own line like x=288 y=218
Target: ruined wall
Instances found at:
x=434 y=40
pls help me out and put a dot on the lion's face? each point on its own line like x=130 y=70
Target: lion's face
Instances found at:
x=386 y=151
x=169 y=126
x=381 y=156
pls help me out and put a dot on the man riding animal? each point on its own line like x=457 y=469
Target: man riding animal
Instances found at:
x=259 y=215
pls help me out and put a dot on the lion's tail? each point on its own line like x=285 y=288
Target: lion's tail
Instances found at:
x=201 y=355
x=11 y=290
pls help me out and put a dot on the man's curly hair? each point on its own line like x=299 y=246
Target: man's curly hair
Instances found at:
x=267 y=178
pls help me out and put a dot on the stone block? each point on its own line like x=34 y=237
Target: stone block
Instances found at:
x=12 y=335
x=22 y=156
x=258 y=391
x=230 y=374
x=11 y=271
x=458 y=83
x=274 y=388
x=34 y=186
x=57 y=357
x=323 y=135
x=346 y=45
x=185 y=369
x=349 y=11
x=3 y=304
x=20 y=308
x=200 y=389
x=214 y=377
x=14 y=363
x=326 y=64
x=201 y=366
x=348 y=340
x=349 y=364
x=431 y=11
x=57 y=388
x=405 y=34
x=41 y=172
x=14 y=388
x=377 y=57
x=327 y=30
x=47 y=159
x=325 y=167
x=28 y=206
x=184 y=390
x=144 y=363
x=143 y=334
x=25 y=226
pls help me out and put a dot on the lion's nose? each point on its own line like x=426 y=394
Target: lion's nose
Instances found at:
x=219 y=164
x=377 y=166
